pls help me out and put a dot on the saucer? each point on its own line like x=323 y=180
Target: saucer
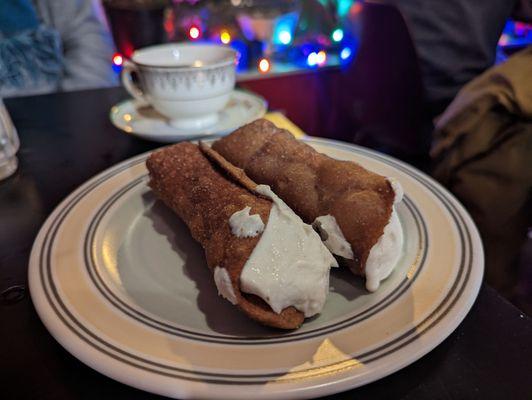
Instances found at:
x=139 y=119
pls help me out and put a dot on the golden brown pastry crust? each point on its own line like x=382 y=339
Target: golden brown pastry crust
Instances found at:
x=205 y=195
x=313 y=184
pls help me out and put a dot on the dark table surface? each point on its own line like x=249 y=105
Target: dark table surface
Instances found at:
x=66 y=139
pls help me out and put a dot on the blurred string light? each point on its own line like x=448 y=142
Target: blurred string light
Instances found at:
x=225 y=37
x=321 y=57
x=504 y=39
x=343 y=7
x=242 y=58
x=337 y=35
x=283 y=30
x=520 y=28
x=355 y=9
x=317 y=59
x=285 y=37
x=516 y=35
x=264 y=65
x=283 y=34
x=312 y=59
x=194 y=32
x=118 y=60
x=346 y=53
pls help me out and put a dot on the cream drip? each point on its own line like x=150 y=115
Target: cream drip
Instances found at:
x=223 y=283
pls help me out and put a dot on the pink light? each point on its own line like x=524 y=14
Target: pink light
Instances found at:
x=520 y=28
x=504 y=39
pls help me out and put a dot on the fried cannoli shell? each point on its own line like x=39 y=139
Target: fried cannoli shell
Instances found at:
x=313 y=184
x=205 y=195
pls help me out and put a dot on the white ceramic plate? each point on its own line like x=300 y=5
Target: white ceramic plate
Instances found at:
x=143 y=121
x=119 y=282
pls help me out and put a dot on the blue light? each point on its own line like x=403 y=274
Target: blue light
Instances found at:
x=283 y=30
x=312 y=59
x=285 y=37
x=117 y=68
x=343 y=7
x=337 y=35
x=243 y=54
x=345 y=53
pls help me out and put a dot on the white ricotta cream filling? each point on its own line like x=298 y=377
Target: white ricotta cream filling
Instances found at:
x=398 y=190
x=223 y=283
x=290 y=265
x=244 y=225
x=384 y=255
x=332 y=236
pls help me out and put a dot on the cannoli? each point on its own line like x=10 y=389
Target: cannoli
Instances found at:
x=351 y=207
x=264 y=259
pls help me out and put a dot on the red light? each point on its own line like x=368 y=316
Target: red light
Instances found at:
x=194 y=32
x=355 y=9
x=118 y=59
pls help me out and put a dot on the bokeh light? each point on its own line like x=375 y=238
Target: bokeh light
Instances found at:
x=345 y=53
x=264 y=65
x=337 y=35
x=312 y=59
x=118 y=59
x=194 y=32
x=225 y=37
x=321 y=57
x=285 y=37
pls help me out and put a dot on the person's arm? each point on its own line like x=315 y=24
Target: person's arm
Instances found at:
x=87 y=45
x=30 y=54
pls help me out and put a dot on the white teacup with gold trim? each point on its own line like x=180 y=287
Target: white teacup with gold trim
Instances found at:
x=187 y=83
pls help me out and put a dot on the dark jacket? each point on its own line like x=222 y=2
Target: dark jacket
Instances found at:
x=483 y=149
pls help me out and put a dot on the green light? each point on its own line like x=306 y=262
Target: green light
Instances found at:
x=343 y=7
x=337 y=35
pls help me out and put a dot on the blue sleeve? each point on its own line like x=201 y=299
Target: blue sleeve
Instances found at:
x=30 y=62
x=17 y=16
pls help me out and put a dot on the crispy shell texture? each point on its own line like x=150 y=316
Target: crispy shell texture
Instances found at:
x=204 y=194
x=313 y=184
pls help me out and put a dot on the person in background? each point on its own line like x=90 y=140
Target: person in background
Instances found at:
x=456 y=41
x=52 y=45
x=482 y=152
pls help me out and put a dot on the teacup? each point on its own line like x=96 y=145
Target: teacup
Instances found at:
x=187 y=83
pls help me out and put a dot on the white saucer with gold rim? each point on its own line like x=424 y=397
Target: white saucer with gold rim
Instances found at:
x=139 y=119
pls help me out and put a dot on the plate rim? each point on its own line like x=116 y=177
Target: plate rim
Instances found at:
x=467 y=298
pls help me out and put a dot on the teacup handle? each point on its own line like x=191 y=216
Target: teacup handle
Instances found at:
x=127 y=80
